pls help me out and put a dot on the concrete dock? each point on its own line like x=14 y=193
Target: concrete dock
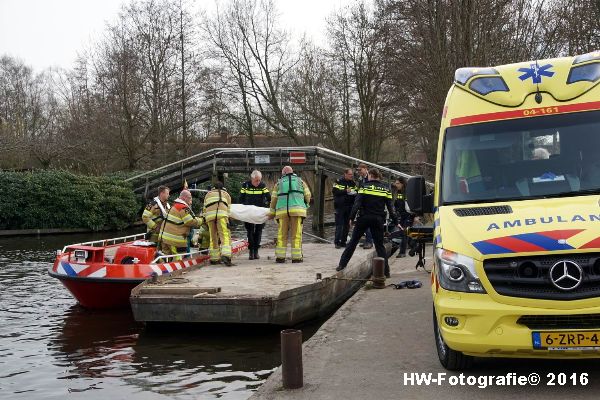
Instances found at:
x=365 y=349
x=254 y=291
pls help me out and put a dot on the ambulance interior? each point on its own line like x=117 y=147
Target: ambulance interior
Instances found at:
x=549 y=156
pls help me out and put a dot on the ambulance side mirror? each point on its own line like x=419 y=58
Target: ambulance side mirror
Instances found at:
x=418 y=200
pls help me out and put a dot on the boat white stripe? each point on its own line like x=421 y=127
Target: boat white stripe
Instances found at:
x=156 y=269
x=101 y=273
x=61 y=270
x=79 y=267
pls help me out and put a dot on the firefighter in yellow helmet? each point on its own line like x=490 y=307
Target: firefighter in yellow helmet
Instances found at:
x=289 y=202
x=216 y=213
x=180 y=219
x=155 y=213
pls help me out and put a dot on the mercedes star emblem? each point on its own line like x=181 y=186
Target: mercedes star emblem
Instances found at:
x=566 y=275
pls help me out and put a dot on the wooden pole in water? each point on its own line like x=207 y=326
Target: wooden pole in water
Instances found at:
x=291 y=359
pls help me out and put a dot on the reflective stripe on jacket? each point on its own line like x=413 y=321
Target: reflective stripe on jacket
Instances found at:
x=341 y=198
x=290 y=197
x=152 y=215
x=373 y=198
x=255 y=195
x=180 y=220
x=216 y=204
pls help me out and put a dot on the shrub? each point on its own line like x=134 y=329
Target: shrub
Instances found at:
x=58 y=199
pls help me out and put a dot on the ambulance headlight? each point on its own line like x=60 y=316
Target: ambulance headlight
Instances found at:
x=456 y=272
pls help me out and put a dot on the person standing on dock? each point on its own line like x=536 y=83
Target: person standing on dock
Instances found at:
x=363 y=176
x=217 y=203
x=155 y=213
x=288 y=206
x=370 y=204
x=255 y=193
x=176 y=229
x=344 y=193
x=405 y=218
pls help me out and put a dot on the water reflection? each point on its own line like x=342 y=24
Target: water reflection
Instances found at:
x=50 y=347
x=224 y=361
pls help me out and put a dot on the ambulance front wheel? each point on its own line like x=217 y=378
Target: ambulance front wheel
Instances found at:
x=450 y=359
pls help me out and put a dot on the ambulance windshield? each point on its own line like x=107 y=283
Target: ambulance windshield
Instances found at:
x=537 y=157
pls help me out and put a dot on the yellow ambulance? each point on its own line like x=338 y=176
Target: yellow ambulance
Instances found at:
x=517 y=213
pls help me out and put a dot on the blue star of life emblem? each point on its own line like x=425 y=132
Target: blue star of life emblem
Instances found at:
x=535 y=72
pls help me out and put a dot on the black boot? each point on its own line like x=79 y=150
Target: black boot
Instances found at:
x=227 y=261
x=251 y=254
x=256 y=256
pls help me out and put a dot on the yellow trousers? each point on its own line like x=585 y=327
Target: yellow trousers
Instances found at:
x=219 y=233
x=289 y=227
x=168 y=249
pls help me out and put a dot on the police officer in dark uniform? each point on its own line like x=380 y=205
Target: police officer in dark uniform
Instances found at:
x=344 y=193
x=406 y=218
x=254 y=192
x=370 y=204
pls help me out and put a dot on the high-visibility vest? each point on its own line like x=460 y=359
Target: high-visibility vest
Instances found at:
x=290 y=196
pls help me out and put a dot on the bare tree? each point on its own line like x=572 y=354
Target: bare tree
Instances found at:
x=258 y=53
x=358 y=43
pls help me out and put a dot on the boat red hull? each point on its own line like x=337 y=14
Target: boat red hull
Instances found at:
x=100 y=294
x=98 y=281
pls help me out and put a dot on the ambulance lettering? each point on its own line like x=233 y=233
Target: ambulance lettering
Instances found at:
x=542 y=220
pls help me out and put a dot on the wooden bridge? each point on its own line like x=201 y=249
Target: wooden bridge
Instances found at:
x=211 y=165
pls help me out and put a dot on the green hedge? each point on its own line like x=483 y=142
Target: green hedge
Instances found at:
x=58 y=199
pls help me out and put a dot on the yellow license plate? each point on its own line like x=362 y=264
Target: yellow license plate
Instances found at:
x=566 y=340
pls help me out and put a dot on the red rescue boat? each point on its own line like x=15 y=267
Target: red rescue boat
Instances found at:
x=101 y=274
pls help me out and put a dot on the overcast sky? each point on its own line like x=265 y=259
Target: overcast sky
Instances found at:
x=46 y=33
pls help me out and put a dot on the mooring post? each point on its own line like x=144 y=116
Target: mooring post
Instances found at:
x=291 y=359
x=378 y=264
x=319 y=210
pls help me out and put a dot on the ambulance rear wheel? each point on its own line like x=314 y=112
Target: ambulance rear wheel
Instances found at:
x=450 y=359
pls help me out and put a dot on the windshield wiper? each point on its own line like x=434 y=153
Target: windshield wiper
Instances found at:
x=576 y=193
x=493 y=200
x=518 y=198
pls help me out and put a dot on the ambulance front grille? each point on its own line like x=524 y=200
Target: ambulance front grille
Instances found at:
x=577 y=321
x=529 y=277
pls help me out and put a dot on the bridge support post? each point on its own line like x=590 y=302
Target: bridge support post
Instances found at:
x=319 y=204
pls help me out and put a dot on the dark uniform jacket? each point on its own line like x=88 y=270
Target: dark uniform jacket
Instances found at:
x=341 y=198
x=405 y=217
x=255 y=196
x=372 y=199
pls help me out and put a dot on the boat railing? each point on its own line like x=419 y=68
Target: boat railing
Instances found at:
x=165 y=258
x=108 y=242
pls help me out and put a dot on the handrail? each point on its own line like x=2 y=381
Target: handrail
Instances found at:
x=216 y=151
x=107 y=242
x=316 y=150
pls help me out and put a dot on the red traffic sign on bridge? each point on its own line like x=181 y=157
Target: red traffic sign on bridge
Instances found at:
x=297 y=157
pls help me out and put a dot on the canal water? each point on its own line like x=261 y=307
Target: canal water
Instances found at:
x=50 y=348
